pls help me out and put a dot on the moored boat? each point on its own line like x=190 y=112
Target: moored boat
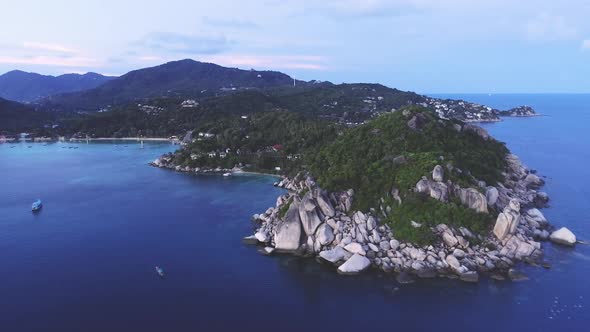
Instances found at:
x=37 y=205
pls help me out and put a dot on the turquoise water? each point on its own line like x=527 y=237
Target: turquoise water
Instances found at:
x=86 y=261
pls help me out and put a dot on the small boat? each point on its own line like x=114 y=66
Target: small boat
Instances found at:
x=37 y=205
x=160 y=271
x=226 y=174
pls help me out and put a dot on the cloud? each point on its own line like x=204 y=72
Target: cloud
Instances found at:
x=546 y=26
x=169 y=42
x=48 y=47
x=305 y=62
x=45 y=60
x=231 y=23
x=361 y=9
x=586 y=44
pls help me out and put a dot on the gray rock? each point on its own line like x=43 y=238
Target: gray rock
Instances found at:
x=473 y=199
x=325 y=205
x=324 y=234
x=394 y=244
x=288 y=232
x=373 y=247
x=438 y=173
x=508 y=220
x=415 y=224
x=458 y=253
x=384 y=245
x=533 y=181
x=335 y=255
x=371 y=223
x=492 y=195
x=262 y=236
x=449 y=239
x=308 y=215
x=355 y=248
x=453 y=262
x=563 y=236
x=354 y=264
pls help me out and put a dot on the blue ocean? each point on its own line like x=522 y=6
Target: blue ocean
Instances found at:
x=87 y=261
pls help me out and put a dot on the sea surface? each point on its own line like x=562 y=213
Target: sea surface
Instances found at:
x=87 y=261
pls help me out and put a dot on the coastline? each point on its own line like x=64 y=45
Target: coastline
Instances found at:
x=152 y=139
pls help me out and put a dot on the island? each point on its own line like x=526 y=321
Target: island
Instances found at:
x=408 y=192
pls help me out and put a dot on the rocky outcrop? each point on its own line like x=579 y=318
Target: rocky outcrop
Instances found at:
x=472 y=199
x=507 y=220
x=288 y=231
x=438 y=173
x=322 y=224
x=563 y=236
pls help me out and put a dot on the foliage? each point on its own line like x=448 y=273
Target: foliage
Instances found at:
x=260 y=141
x=430 y=212
x=386 y=153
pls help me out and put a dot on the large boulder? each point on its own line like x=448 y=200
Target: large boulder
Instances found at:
x=508 y=220
x=288 y=231
x=354 y=264
x=533 y=181
x=473 y=199
x=355 y=248
x=335 y=255
x=438 y=173
x=324 y=204
x=436 y=190
x=492 y=195
x=324 y=234
x=563 y=236
x=308 y=215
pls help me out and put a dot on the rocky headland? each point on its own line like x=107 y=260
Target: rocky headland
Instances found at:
x=311 y=221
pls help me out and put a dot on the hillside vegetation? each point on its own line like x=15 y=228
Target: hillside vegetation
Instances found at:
x=387 y=155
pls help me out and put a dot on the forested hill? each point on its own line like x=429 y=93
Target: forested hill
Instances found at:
x=16 y=117
x=182 y=79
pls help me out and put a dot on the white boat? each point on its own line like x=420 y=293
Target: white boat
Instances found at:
x=226 y=174
x=37 y=205
x=160 y=271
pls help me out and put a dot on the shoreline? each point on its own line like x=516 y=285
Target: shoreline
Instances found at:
x=152 y=139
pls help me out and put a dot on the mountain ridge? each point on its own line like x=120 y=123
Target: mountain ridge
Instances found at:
x=28 y=87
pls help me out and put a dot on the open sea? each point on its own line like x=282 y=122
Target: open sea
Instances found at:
x=87 y=261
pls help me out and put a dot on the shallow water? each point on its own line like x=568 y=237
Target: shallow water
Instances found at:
x=86 y=261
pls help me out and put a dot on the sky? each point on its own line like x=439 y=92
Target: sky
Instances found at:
x=427 y=46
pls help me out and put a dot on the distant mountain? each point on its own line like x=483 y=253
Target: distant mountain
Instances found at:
x=16 y=117
x=28 y=87
x=184 y=78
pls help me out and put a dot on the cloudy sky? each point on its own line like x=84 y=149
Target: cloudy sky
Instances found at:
x=419 y=45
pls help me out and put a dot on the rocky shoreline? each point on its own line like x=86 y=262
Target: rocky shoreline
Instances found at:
x=310 y=221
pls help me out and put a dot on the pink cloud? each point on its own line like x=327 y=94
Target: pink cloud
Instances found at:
x=51 y=61
x=48 y=47
x=306 y=62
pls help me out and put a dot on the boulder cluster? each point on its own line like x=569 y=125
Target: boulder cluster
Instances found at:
x=310 y=221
